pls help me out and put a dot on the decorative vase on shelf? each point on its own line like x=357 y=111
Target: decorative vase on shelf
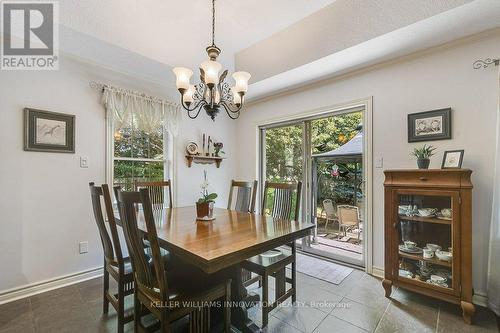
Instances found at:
x=423 y=163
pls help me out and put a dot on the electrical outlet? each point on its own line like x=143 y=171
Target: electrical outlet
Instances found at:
x=84 y=162
x=84 y=247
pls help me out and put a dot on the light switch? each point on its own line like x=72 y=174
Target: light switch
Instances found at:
x=84 y=247
x=84 y=162
x=379 y=163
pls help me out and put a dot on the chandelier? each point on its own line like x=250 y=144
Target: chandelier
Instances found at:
x=212 y=93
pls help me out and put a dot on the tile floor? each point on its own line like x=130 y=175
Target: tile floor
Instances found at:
x=359 y=299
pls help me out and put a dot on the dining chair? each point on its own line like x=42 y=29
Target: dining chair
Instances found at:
x=348 y=218
x=115 y=265
x=158 y=190
x=329 y=211
x=168 y=295
x=285 y=206
x=245 y=196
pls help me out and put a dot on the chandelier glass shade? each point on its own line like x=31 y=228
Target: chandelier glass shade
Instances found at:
x=212 y=93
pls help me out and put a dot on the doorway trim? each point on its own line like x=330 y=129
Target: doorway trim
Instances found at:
x=367 y=104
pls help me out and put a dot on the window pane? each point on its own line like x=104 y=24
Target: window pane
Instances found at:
x=127 y=172
x=284 y=154
x=123 y=142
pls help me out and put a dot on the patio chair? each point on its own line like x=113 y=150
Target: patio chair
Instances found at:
x=329 y=211
x=348 y=218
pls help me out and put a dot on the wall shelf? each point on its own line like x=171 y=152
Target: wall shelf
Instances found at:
x=204 y=160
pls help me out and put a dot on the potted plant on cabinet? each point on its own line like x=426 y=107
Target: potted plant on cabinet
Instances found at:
x=423 y=155
x=205 y=204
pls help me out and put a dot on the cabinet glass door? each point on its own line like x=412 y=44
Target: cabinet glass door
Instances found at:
x=425 y=239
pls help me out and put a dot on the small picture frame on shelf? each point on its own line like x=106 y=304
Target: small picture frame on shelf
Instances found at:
x=429 y=125
x=452 y=159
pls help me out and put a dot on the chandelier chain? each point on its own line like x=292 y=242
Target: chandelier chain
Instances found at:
x=213 y=22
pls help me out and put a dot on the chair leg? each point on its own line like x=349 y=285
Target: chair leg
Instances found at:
x=227 y=309
x=294 y=273
x=137 y=312
x=105 y=291
x=164 y=324
x=265 y=300
x=121 y=307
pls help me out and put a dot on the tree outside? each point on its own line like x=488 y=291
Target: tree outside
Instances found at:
x=137 y=144
x=284 y=156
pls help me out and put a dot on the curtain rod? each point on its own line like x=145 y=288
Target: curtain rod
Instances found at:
x=480 y=63
x=102 y=86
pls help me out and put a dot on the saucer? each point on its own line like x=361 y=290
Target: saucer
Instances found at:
x=414 y=250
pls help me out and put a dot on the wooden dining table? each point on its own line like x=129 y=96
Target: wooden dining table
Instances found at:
x=221 y=245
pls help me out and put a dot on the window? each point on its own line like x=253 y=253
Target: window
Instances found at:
x=138 y=154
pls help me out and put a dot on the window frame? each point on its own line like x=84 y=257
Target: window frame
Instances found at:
x=167 y=160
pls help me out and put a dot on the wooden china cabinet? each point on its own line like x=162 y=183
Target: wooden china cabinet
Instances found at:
x=430 y=207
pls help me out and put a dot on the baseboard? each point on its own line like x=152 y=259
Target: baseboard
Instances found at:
x=10 y=295
x=479 y=298
x=378 y=272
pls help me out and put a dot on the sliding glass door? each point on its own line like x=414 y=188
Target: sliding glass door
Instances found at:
x=327 y=154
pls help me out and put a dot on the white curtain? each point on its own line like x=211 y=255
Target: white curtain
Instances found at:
x=494 y=253
x=149 y=113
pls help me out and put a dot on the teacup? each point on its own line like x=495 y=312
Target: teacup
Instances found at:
x=427 y=211
x=428 y=253
x=433 y=247
x=446 y=212
x=410 y=245
x=404 y=209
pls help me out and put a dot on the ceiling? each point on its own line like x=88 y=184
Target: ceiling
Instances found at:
x=283 y=43
x=177 y=32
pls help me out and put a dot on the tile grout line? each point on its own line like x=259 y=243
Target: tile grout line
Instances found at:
x=437 y=319
x=384 y=313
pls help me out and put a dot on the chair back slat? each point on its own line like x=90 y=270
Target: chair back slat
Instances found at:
x=283 y=206
x=348 y=215
x=158 y=192
x=329 y=207
x=245 y=196
x=107 y=245
x=150 y=278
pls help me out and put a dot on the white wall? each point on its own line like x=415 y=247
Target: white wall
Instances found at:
x=437 y=79
x=45 y=207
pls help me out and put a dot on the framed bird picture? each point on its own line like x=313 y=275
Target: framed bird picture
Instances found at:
x=47 y=131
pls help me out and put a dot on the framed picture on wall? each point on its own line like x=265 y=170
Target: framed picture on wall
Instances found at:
x=452 y=159
x=49 y=131
x=429 y=125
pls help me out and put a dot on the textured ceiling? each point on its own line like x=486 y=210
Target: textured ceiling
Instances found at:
x=338 y=26
x=177 y=32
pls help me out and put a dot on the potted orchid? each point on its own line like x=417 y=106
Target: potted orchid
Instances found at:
x=205 y=204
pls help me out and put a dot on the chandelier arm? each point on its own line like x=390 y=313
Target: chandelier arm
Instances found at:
x=199 y=106
x=199 y=103
x=230 y=110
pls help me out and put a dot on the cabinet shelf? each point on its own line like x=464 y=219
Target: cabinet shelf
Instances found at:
x=203 y=160
x=424 y=219
x=420 y=257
